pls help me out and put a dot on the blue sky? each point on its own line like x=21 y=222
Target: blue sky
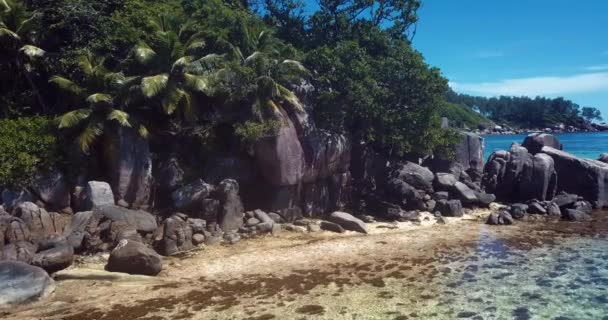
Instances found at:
x=516 y=47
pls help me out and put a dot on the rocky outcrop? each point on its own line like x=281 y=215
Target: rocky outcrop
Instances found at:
x=174 y=235
x=536 y=141
x=134 y=258
x=53 y=189
x=140 y=220
x=20 y=283
x=128 y=162
x=190 y=198
x=347 y=221
x=516 y=175
x=40 y=223
x=469 y=152
x=586 y=178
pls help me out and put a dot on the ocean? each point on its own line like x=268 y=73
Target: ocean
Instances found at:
x=584 y=144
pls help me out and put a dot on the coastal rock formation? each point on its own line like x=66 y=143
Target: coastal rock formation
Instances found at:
x=97 y=193
x=534 y=142
x=586 y=178
x=469 y=152
x=20 y=282
x=128 y=164
x=516 y=175
x=134 y=258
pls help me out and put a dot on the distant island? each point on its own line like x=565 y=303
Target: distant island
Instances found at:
x=509 y=115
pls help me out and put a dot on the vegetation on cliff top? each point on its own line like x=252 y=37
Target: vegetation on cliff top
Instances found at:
x=183 y=66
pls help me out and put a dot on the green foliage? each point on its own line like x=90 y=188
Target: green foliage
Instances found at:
x=591 y=114
x=252 y=131
x=27 y=146
x=462 y=116
x=524 y=112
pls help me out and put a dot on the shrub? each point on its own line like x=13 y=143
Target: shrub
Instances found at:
x=27 y=146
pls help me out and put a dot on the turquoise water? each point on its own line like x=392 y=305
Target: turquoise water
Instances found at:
x=585 y=145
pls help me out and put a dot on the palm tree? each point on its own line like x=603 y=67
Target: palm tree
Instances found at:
x=17 y=35
x=168 y=78
x=104 y=92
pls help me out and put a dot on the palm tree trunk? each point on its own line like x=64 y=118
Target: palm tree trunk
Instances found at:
x=33 y=86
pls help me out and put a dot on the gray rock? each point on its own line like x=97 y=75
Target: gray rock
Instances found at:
x=134 y=258
x=484 y=199
x=416 y=176
x=469 y=152
x=553 y=209
x=97 y=193
x=211 y=210
x=190 y=197
x=52 y=188
x=583 y=206
x=142 y=221
x=18 y=251
x=293 y=228
x=252 y=222
x=313 y=227
x=500 y=218
x=83 y=224
x=198 y=239
x=197 y=225
x=441 y=195
x=263 y=216
x=564 y=199
x=232 y=237
x=536 y=208
x=291 y=214
x=541 y=181
x=574 y=215
x=20 y=283
x=330 y=226
x=518 y=210
x=232 y=211
x=176 y=236
x=464 y=193
x=347 y=221
x=54 y=259
x=12 y=198
x=536 y=141
x=586 y=178
x=41 y=223
x=275 y=217
x=264 y=227
x=128 y=164
x=603 y=158
x=450 y=208
x=444 y=181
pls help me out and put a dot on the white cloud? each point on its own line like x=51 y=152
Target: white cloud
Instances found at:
x=488 y=54
x=538 y=86
x=599 y=67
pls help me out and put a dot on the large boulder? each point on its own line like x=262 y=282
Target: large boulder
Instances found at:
x=347 y=221
x=190 y=197
x=41 y=223
x=541 y=184
x=464 y=193
x=449 y=208
x=586 y=178
x=54 y=259
x=97 y=193
x=534 y=142
x=82 y=230
x=174 y=235
x=20 y=283
x=12 y=198
x=231 y=211
x=134 y=258
x=444 y=181
x=128 y=164
x=469 y=152
x=416 y=176
x=53 y=189
x=140 y=220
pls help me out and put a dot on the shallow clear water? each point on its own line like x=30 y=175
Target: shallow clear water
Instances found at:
x=585 y=144
x=540 y=270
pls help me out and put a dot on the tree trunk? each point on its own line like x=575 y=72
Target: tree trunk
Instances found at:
x=33 y=86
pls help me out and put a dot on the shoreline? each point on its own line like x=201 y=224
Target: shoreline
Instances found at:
x=226 y=281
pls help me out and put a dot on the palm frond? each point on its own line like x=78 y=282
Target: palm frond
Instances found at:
x=205 y=64
x=32 y=51
x=66 y=85
x=195 y=45
x=6 y=33
x=143 y=53
x=153 y=85
x=181 y=63
x=120 y=116
x=294 y=64
x=143 y=131
x=172 y=99
x=28 y=25
x=4 y=6
x=290 y=97
x=253 y=57
x=88 y=136
x=198 y=83
x=85 y=63
x=73 y=118
x=99 y=99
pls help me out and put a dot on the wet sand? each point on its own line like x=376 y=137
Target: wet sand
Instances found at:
x=398 y=271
